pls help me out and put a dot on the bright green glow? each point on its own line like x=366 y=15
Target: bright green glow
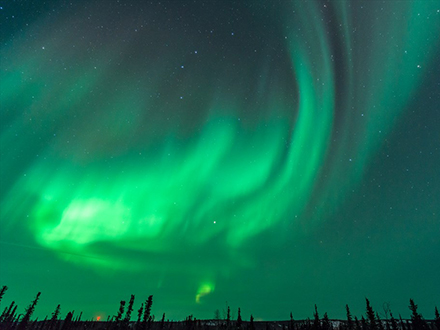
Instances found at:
x=121 y=161
x=204 y=290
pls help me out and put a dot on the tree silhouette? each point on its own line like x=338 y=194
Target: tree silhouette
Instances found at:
x=239 y=321
x=370 y=316
x=118 y=316
x=43 y=324
x=326 y=322
x=127 y=317
x=67 y=321
x=357 y=325
x=7 y=311
x=28 y=313
x=349 y=319
x=364 y=325
x=140 y=312
x=12 y=316
x=291 y=323
x=251 y=323
x=402 y=324
x=437 y=319
x=147 y=312
x=316 y=320
x=53 y=321
x=2 y=292
x=416 y=319
x=379 y=322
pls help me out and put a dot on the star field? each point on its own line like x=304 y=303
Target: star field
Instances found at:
x=266 y=155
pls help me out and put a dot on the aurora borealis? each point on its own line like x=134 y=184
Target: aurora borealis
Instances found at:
x=268 y=155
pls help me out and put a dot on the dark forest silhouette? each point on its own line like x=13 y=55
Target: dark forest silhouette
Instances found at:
x=11 y=319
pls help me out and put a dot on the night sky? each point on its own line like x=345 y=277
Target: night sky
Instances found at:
x=268 y=155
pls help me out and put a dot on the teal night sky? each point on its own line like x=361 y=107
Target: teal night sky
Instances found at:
x=268 y=155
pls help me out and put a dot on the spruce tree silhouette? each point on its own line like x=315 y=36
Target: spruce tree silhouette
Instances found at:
x=54 y=320
x=364 y=325
x=437 y=319
x=13 y=315
x=251 y=323
x=7 y=311
x=393 y=321
x=118 y=317
x=67 y=321
x=291 y=323
x=326 y=325
x=370 y=316
x=379 y=322
x=140 y=313
x=127 y=317
x=417 y=321
x=2 y=292
x=28 y=313
x=239 y=321
x=402 y=324
x=349 y=319
x=43 y=324
x=357 y=325
x=147 y=313
x=316 y=320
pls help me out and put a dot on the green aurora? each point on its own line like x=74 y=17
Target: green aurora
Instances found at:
x=251 y=153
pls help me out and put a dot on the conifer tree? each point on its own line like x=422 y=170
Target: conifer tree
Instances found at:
x=3 y=314
x=437 y=318
x=147 y=319
x=326 y=322
x=228 y=317
x=11 y=317
x=118 y=317
x=416 y=319
x=379 y=322
x=147 y=311
x=370 y=316
x=291 y=324
x=67 y=321
x=127 y=317
x=364 y=325
x=316 y=320
x=43 y=324
x=349 y=318
x=28 y=313
x=162 y=322
x=53 y=321
x=7 y=312
x=140 y=312
x=251 y=323
x=357 y=325
x=393 y=321
x=2 y=292
x=402 y=324
x=239 y=321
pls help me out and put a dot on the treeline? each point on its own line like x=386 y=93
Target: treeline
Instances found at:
x=10 y=319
